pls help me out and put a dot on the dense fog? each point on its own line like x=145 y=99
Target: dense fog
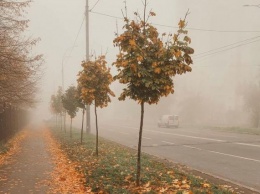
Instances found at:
x=221 y=90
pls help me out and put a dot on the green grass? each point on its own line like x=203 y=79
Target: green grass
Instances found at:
x=114 y=171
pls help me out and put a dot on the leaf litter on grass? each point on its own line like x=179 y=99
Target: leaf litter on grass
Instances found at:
x=114 y=171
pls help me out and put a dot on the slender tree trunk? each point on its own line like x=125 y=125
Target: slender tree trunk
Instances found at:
x=96 y=130
x=140 y=146
x=86 y=120
x=64 y=122
x=70 y=127
x=81 y=135
x=61 y=121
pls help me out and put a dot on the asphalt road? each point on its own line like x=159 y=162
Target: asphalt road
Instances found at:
x=230 y=156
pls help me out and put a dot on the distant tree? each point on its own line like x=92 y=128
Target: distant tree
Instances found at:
x=252 y=104
x=94 y=81
x=82 y=106
x=147 y=63
x=53 y=106
x=59 y=106
x=56 y=104
x=70 y=103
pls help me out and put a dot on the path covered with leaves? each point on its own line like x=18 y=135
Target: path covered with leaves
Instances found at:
x=64 y=177
x=25 y=169
x=35 y=164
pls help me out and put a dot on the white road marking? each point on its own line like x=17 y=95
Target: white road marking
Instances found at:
x=169 y=142
x=194 y=137
x=147 y=138
x=123 y=133
x=144 y=137
x=193 y=147
x=248 y=144
x=230 y=155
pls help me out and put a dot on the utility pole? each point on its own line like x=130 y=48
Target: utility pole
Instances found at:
x=88 y=129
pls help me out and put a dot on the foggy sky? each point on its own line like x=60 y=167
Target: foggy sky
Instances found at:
x=212 y=24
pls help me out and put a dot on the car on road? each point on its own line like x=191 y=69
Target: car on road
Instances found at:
x=168 y=121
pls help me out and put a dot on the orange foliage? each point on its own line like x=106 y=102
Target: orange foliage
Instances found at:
x=65 y=179
x=14 y=146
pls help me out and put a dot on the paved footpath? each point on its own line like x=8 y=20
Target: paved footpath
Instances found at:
x=29 y=168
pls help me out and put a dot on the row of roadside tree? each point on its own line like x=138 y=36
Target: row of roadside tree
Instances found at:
x=146 y=63
x=19 y=66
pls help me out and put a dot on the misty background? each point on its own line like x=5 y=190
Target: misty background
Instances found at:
x=222 y=89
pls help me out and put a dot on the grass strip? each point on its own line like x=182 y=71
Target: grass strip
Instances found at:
x=253 y=131
x=114 y=170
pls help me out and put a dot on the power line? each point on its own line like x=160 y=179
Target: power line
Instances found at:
x=74 y=44
x=226 y=46
x=225 y=65
x=204 y=54
x=188 y=28
x=94 y=5
x=107 y=15
x=208 y=30
x=226 y=49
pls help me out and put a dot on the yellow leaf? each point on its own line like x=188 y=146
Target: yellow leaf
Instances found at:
x=206 y=185
x=124 y=63
x=132 y=42
x=177 y=54
x=163 y=190
x=147 y=184
x=128 y=177
x=157 y=70
x=175 y=37
x=133 y=68
x=140 y=58
x=152 y=13
x=154 y=64
x=185 y=186
x=181 y=24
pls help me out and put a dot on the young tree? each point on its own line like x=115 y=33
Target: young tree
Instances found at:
x=81 y=105
x=147 y=63
x=70 y=103
x=53 y=107
x=94 y=81
x=56 y=103
x=59 y=106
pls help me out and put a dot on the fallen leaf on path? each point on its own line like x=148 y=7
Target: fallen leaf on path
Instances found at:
x=65 y=179
x=14 y=146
